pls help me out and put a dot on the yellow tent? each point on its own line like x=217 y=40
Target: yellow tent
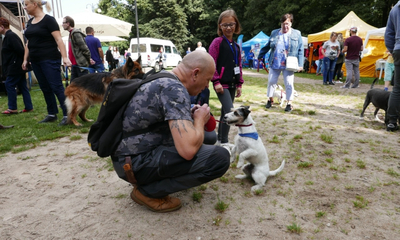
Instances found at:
x=376 y=44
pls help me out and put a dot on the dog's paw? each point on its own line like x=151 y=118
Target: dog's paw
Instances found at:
x=239 y=165
x=361 y=118
x=255 y=188
x=241 y=176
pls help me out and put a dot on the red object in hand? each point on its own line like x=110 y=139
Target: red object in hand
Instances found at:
x=210 y=125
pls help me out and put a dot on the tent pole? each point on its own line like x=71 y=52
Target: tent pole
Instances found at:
x=137 y=29
x=20 y=16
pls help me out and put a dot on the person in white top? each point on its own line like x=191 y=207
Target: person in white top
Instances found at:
x=200 y=47
x=331 y=50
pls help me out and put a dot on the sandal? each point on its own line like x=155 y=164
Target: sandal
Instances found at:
x=9 y=112
x=24 y=111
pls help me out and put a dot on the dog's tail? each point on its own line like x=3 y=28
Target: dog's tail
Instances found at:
x=273 y=173
x=373 y=83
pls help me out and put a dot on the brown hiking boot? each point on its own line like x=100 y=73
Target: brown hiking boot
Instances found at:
x=166 y=204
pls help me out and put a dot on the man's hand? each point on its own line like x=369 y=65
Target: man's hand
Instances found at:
x=238 y=92
x=219 y=89
x=201 y=114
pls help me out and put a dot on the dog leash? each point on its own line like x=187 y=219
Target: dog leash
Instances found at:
x=240 y=125
x=237 y=125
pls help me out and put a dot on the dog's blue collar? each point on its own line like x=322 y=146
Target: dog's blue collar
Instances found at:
x=253 y=135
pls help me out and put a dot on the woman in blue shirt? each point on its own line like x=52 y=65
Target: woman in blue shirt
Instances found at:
x=283 y=42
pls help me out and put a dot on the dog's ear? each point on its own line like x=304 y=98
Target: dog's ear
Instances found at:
x=246 y=111
x=129 y=63
x=139 y=60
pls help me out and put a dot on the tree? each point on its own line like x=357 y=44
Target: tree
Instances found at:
x=186 y=22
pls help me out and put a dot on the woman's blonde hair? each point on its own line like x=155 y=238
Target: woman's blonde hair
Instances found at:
x=228 y=13
x=40 y=4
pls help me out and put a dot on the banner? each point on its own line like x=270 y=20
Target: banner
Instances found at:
x=240 y=41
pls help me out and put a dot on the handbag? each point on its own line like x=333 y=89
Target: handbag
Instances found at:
x=292 y=64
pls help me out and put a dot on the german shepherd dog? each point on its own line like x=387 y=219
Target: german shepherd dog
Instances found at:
x=89 y=89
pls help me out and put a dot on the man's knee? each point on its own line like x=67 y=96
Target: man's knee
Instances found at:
x=220 y=161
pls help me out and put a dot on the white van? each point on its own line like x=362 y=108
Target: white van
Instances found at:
x=150 y=49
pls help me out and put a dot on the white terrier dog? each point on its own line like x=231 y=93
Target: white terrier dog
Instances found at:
x=280 y=94
x=250 y=148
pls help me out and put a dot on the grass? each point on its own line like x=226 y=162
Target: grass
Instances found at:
x=294 y=228
x=221 y=206
x=28 y=133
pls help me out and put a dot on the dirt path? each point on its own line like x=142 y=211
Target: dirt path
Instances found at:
x=341 y=181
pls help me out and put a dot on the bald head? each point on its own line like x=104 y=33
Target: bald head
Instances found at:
x=198 y=59
x=195 y=71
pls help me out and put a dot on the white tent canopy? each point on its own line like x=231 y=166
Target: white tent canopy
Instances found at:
x=103 y=25
x=373 y=34
x=102 y=38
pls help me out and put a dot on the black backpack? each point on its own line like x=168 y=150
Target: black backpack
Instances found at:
x=106 y=133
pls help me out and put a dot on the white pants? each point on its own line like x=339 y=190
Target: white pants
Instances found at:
x=288 y=79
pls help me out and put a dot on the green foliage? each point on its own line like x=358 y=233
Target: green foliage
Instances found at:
x=186 y=22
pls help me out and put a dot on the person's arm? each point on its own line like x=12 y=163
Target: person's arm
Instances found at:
x=26 y=55
x=264 y=50
x=101 y=54
x=80 y=41
x=57 y=37
x=390 y=33
x=17 y=44
x=188 y=137
x=300 y=53
x=213 y=50
x=344 y=49
x=323 y=49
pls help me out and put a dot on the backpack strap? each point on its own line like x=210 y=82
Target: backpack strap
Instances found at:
x=154 y=126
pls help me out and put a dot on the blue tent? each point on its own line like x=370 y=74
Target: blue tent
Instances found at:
x=256 y=43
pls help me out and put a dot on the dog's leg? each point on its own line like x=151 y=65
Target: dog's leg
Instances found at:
x=233 y=154
x=82 y=115
x=282 y=103
x=247 y=169
x=376 y=115
x=72 y=108
x=366 y=103
x=245 y=155
x=259 y=178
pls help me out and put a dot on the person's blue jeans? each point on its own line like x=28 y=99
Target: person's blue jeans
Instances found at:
x=20 y=81
x=48 y=74
x=96 y=68
x=329 y=69
x=394 y=99
x=320 y=66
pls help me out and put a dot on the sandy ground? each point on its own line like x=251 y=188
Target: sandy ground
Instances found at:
x=350 y=189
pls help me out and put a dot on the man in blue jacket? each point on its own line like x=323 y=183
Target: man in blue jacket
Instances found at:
x=392 y=42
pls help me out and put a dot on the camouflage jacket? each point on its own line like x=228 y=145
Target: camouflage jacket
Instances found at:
x=79 y=48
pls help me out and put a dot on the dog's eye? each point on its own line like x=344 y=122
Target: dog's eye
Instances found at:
x=236 y=113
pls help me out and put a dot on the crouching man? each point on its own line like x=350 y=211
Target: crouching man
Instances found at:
x=170 y=156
